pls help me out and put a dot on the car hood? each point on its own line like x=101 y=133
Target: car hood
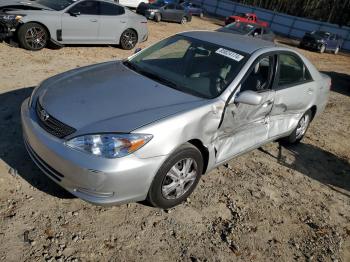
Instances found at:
x=110 y=97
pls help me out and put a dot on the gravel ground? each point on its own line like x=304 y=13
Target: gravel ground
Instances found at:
x=272 y=204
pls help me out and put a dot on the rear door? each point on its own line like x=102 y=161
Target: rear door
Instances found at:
x=80 y=24
x=294 y=94
x=113 y=22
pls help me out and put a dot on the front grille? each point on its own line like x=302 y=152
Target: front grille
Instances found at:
x=51 y=124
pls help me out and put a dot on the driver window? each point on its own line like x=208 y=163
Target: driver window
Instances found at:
x=86 y=8
x=170 y=6
x=260 y=77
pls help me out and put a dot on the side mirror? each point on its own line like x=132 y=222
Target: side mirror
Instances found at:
x=137 y=50
x=73 y=13
x=249 y=97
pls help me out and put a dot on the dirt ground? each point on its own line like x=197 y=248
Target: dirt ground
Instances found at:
x=272 y=204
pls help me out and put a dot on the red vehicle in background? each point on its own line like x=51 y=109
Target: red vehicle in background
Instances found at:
x=245 y=17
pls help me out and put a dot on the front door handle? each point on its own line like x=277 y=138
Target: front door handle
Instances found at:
x=267 y=103
x=93 y=20
x=123 y=22
x=310 y=91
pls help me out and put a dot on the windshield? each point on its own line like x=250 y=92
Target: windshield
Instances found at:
x=242 y=28
x=56 y=4
x=190 y=65
x=158 y=3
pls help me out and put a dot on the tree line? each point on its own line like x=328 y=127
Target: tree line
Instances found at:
x=332 y=11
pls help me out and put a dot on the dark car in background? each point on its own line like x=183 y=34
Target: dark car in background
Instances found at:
x=249 y=29
x=194 y=9
x=162 y=11
x=322 y=41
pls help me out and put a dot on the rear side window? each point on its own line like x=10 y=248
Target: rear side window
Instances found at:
x=86 y=8
x=111 y=9
x=292 y=70
x=170 y=6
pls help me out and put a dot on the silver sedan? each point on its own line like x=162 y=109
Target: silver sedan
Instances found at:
x=150 y=126
x=38 y=23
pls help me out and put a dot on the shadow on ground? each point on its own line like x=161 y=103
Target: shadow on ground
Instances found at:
x=317 y=164
x=340 y=82
x=12 y=150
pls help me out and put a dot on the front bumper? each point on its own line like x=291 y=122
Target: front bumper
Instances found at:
x=94 y=179
x=311 y=45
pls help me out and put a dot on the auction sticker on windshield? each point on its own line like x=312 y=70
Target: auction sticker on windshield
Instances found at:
x=229 y=54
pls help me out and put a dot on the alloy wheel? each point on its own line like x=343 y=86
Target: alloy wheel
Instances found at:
x=35 y=37
x=128 y=39
x=179 y=178
x=302 y=126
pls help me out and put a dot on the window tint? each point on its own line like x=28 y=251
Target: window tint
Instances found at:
x=179 y=7
x=86 y=8
x=111 y=9
x=170 y=6
x=292 y=70
x=260 y=78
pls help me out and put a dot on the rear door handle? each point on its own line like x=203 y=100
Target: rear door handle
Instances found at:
x=310 y=91
x=123 y=22
x=93 y=20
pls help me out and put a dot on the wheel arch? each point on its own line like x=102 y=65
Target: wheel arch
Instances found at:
x=129 y=28
x=313 y=110
x=36 y=22
x=204 y=152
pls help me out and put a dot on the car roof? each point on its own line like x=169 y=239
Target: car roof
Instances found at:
x=241 y=43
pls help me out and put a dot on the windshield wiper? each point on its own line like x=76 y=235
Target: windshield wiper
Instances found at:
x=151 y=75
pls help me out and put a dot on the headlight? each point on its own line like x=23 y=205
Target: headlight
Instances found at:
x=320 y=41
x=109 y=145
x=152 y=10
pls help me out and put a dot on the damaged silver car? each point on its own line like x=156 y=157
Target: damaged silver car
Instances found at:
x=150 y=126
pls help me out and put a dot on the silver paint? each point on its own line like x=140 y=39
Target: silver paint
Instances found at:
x=225 y=128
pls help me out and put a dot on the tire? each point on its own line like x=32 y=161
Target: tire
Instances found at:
x=169 y=189
x=336 y=51
x=183 y=20
x=322 y=49
x=201 y=15
x=33 y=36
x=298 y=133
x=157 y=17
x=128 y=39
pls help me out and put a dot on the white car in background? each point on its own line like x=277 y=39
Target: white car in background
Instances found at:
x=132 y=3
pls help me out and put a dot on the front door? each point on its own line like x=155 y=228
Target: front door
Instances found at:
x=80 y=24
x=244 y=126
x=294 y=94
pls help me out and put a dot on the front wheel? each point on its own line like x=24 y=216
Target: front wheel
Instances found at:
x=177 y=177
x=298 y=133
x=201 y=15
x=322 y=49
x=183 y=20
x=336 y=51
x=128 y=39
x=32 y=36
x=157 y=17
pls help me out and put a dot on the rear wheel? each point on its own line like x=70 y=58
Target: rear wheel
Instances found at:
x=33 y=36
x=298 y=133
x=128 y=39
x=177 y=177
x=183 y=20
x=322 y=49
